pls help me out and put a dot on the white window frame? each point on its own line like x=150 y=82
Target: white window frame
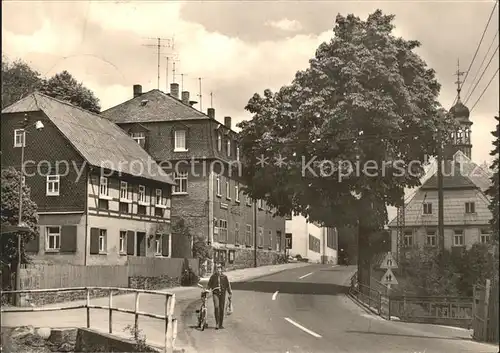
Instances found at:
x=218 y=185
x=248 y=233
x=406 y=236
x=484 y=236
x=141 y=195
x=458 y=234
x=237 y=192
x=122 y=242
x=260 y=204
x=124 y=191
x=139 y=137
x=158 y=246
x=180 y=141
x=260 y=237
x=219 y=141
x=470 y=207
x=249 y=201
x=223 y=230
x=19 y=134
x=431 y=234
x=103 y=241
x=179 y=177
x=103 y=187
x=228 y=189
x=238 y=153
x=237 y=239
x=159 y=195
x=228 y=146
x=427 y=208
x=52 y=181
x=55 y=235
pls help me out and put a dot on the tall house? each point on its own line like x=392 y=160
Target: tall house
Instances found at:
x=100 y=197
x=466 y=212
x=203 y=156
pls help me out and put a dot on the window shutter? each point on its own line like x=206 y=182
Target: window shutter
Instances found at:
x=165 y=245
x=273 y=241
x=33 y=246
x=68 y=238
x=94 y=241
x=130 y=243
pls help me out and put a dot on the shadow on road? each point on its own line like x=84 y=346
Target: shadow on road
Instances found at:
x=291 y=287
x=411 y=336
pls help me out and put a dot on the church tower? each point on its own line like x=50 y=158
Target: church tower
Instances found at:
x=461 y=139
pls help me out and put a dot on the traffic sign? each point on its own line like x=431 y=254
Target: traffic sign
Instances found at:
x=389 y=262
x=389 y=278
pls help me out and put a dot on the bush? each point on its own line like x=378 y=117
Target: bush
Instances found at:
x=188 y=277
x=282 y=259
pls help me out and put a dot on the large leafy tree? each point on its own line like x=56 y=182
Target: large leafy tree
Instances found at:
x=367 y=101
x=10 y=216
x=65 y=87
x=493 y=190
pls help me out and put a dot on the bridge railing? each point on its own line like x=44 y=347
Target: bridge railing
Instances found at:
x=365 y=294
x=167 y=317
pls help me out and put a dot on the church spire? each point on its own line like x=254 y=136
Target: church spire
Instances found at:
x=458 y=82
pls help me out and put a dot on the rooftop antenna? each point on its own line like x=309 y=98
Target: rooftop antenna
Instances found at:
x=159 y=46
x=174 y=70
x=458 y=73
x=199 y=95
x=166 y=70
x=211 y=99
x=182 y=81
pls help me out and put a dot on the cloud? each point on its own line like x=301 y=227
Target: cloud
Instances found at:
x=286 y=25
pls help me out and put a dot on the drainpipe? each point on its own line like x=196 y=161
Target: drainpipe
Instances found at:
x=89 y=170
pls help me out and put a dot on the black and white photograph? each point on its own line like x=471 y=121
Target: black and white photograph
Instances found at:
x=226 y=176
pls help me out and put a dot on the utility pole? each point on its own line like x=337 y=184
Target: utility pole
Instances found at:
x=255 y=233
x=440 y=193
x=158 y=46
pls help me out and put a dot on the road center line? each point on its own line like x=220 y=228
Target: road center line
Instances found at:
x=302 y=328
x=275 y=295
x=304 y=276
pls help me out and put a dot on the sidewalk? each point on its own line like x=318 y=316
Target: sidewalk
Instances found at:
x=152 y=328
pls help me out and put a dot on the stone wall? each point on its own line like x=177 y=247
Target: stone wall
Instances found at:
x=244 y=258
x=88 y=340
x=44 y=298
x=153 y=283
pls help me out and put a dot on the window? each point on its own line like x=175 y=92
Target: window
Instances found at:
x=219 y=141
x=485 y=236
x=261 y=237
x=123 y=240
x=124 y=190
x=288 y=240
x=427 y=208
x=223 y=230
x=288 y=217
x=181 y=180
x=314 y=244
x=141 y=209
x=228 y=189
x=139 y=137
x=248 y=235
x=53 y=238
x=124 y=207
x=102 y=240
x=470 y=207
x=238 y=153
x=260 y=204
x=158 y=246
x=180 y=140
x=237 y=192
x=430 y=239
x=103 y=187
x=159 y=212
x=270 y=238
x=142 y=194
x=159 y=197
x=278 y=240
x=53 y=182
x=19 y=138
x=228 y=147
x=217 y=180
x=237 y=233
x=249 y=201
x=408 y=238
x=103 y=204
x=458 y=237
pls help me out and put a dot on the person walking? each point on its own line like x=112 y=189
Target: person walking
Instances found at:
x=220 y=284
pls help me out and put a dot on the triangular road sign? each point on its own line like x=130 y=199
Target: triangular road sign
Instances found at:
x=389 y=278
x=389 y=262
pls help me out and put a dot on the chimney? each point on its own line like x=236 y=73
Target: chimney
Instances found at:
x=137 y=90
x=185 y=97
x=227 y=121
x=174 y=90
x=211 y=113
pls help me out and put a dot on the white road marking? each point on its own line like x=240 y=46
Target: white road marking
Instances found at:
x=304 y=276
x=302 y=328
x=275 y=295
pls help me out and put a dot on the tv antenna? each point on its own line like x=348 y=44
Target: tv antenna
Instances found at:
x=158 y=46
x=174 y=57
x=182 y=81
x=211 y=99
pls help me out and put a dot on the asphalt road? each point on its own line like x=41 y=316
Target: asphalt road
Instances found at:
x=306 y=310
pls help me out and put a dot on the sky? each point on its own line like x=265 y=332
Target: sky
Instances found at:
x=239 y=48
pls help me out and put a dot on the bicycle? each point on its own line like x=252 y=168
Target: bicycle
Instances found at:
x=203 y=311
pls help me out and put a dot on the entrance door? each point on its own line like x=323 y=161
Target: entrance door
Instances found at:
x=141 y=244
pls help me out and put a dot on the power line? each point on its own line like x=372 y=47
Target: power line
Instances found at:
x=478 y=46
x=481 y=66
x=492 y=77
x=484 y=71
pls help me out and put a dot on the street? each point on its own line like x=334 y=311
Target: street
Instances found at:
x=302 y=309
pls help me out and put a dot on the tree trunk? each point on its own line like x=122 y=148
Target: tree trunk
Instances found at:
x=364 y=256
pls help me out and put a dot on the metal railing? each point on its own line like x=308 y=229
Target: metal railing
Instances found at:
x=365 y=294
x=170 y=321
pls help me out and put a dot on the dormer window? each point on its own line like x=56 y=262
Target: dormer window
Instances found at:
x=219 y=141
x=228 y=147
x=139 y=137
x=180 y=141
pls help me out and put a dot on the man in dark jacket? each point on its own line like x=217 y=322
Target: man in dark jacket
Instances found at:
x=219 y=283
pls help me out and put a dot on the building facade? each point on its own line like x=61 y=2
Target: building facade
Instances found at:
x=99 y=196
x=203 y=156
x=466 y=212
x=311 y=241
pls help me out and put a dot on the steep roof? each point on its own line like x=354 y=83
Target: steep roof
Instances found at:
x=100 y=142
x=159 y=107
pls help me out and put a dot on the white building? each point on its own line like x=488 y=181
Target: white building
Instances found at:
x=311 y=241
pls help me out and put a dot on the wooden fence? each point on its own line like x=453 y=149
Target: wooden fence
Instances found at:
x=485 y=309
x=63 y=276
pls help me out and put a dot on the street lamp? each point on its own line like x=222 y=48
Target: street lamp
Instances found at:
x=39 y=126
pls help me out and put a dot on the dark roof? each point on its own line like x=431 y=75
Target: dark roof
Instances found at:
x=460 y=111
x=160 y=107
x=100 y=142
